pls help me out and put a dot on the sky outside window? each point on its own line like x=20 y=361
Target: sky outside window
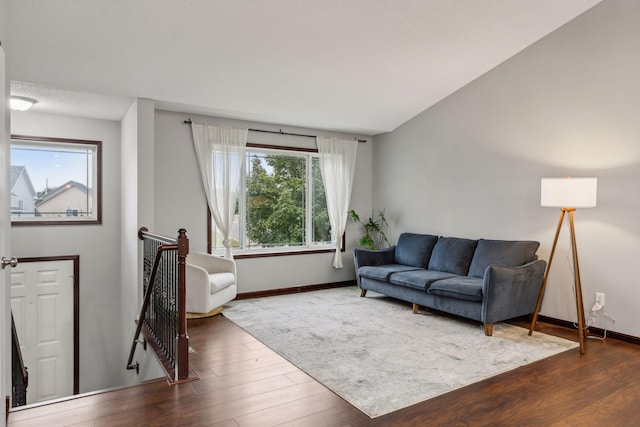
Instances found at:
x=53 y=166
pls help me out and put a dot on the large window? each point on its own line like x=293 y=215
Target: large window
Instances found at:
x=55 y=181
x=282 y=205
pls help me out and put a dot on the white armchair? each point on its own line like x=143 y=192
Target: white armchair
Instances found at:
x=210 y=283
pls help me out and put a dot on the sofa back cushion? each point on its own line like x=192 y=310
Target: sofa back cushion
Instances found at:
x=504 y=253
x=453 y=255
x=414 y=249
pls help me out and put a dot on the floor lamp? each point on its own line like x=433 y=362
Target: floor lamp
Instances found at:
x=567 y=194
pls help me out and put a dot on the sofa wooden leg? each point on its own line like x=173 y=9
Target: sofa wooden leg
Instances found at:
x=363 y=292
x=415 y=308
x=488 y=329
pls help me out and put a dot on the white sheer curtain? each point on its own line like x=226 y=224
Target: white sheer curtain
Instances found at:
x=221 y=156
x=337 y=165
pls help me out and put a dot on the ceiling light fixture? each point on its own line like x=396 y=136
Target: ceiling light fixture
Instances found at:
x=21 y=103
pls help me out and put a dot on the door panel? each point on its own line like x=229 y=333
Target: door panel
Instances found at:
x=42 y=300
x=19 y=301
x=47 y=369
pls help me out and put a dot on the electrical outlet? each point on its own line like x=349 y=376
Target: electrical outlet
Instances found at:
x=600 y=298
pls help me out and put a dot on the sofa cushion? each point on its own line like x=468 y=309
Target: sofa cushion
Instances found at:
x=418 y=279
x=414 y=249
x=459 y=287
x=453 y=255
x=503 y=253
x=382 y=272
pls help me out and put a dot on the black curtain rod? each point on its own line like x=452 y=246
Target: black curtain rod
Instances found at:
x=279 y=132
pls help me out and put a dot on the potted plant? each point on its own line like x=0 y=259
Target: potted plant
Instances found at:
x=374 y=236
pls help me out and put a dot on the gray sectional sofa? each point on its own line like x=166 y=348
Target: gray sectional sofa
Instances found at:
x=484 y=280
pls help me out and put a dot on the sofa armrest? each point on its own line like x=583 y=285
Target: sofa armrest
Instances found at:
x=509 y=292
x=364 y=257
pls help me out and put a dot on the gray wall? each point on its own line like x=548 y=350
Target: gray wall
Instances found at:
x=569 y=105
x=4 y=13
x=101 y=361
x=180 y=202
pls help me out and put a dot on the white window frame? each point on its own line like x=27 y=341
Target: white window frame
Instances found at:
x=309 y=247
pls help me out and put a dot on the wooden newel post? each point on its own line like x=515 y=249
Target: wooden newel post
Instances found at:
x=182 y=338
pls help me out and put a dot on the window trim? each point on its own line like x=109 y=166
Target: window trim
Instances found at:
x=97 y=186
x=273 y=251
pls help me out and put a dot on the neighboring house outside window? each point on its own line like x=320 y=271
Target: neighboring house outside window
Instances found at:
x=69 y=199
x=22 y=193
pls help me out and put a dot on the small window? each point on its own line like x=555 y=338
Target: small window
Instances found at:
x=55 y=181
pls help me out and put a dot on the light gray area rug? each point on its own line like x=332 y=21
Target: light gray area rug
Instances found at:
x=377 y=354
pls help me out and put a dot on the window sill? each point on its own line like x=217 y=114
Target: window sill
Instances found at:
x=91 y=221
x=248 y=255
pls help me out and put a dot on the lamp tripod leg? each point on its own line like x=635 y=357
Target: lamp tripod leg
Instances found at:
x=578 y=288
x=576 y=281
x=534 y=319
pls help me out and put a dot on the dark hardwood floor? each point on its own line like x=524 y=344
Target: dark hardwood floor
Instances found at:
x=243 y=383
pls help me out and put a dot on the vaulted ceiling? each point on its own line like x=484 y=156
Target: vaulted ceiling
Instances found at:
x=364 y=66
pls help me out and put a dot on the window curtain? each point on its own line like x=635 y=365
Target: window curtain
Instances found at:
x=337 y=165
x=221 y=157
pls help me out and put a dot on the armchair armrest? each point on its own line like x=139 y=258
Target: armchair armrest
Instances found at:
x=509 y=292
x=211 y=263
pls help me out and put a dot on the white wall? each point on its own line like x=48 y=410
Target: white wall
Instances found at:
x=569 y=105
x=180 y=202
x=101 y=361
x=137 y=211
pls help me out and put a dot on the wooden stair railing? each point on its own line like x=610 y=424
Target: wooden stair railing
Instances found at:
x=19 y=373
x=163 y=318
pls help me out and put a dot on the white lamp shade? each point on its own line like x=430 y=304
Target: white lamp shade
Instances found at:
x=568 y=192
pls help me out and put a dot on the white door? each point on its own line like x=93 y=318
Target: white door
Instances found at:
x=42 y=306
x=5 y=242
